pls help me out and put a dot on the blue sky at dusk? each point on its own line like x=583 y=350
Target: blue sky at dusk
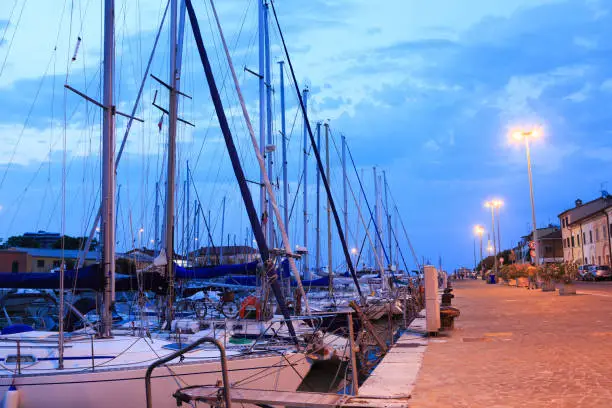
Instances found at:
x=427 y=91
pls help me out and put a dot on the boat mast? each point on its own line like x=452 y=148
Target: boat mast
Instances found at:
x=108 y=169
x=330 y=269
x=222 y=232
x=269 y=152
x=388 y=216
x=375 y=215
x=344 y=192
x=171 y=171
x=318 y=216
x=284 y=147
x=156 y=238
x=307 y=274
x=188 y=209
x=262 y=105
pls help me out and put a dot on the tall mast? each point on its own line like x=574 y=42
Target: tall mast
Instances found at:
x=222 y=232
x=188 y=208
x=388 y=216
x=344 y=181
x=262 y=103
x=268 y=81
x=156 y=237
x=108 y=169
x=171 y=171
x=330 y=269
x=375 y=215
x=318 y=215
x=307 y=274
x=284 y=148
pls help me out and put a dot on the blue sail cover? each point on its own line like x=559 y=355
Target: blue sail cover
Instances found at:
x=208 y=272
x=88 y=277
x=320 y=282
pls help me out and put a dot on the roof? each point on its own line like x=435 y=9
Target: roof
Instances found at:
x=591 y=215
x=56 y=253
x=589 y=207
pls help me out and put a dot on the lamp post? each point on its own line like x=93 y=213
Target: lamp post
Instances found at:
x=525 y=135
x=479 y=231
x=492 y=204
x=498 y=204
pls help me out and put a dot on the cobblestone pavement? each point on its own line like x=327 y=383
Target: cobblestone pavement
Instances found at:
x=517 y=348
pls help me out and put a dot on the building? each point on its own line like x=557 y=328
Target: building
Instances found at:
x=15 y=261
x=549 y=241
x=18 y=260
x=231 y=254
x=43 y=238
x=586 y=232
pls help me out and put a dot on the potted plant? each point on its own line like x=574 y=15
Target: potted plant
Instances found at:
x=548 y=274
x=567 y=275
x=522 y=274
x=504 y=274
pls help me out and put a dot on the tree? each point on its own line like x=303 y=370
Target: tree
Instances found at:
x=72 y=242
x=21 y=241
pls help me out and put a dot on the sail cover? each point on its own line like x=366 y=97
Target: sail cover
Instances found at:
x=209 y=272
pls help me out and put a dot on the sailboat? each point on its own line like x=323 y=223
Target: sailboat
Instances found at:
x=77 y=369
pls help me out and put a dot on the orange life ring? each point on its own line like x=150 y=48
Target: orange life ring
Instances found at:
x=250 y=301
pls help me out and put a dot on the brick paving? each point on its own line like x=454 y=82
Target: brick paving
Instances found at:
x=517 y=348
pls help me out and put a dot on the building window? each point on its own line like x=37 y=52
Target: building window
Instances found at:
x=563 y=222
x=604 y=232
x=591 y=237
x=40 y=263
x=56 y=264
x=608 y=259
x=577 y=239
x=584 y=237
x=597 y=234
x=547 y=249
x=566 y=220
x=572 y=241
x=593 y=259
x=599 y=260
x=15 y=267
x=585 y=260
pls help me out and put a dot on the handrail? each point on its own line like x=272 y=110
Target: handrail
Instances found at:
x=178 y=353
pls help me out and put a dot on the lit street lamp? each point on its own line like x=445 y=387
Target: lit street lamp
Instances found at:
x=479 y=231
x=492 y=204
x=498 y=204
x=525 y=135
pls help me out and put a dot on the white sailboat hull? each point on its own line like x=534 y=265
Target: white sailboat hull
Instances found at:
x=125 y=387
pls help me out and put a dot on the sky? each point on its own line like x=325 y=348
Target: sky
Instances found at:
x=426 y=91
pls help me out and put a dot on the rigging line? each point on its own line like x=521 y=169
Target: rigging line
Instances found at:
x=195 y=189
x=10 y=45
x=25 y=124
x=416 y=259
x=8 y=21
x=331 y=203
x=376 y=227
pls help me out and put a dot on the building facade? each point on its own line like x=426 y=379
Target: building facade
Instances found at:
x=586 y=233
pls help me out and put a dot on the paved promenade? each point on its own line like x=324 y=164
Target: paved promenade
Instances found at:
x=518 y=348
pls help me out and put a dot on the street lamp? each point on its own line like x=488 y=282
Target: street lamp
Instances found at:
x=479 y=231
x=525 y=135
x=498 y=204
x=492 y=204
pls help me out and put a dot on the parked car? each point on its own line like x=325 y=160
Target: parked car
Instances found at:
x=600 y=272
x=583 y=272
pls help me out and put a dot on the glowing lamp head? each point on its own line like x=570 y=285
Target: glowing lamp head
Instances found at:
x=354 y=251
